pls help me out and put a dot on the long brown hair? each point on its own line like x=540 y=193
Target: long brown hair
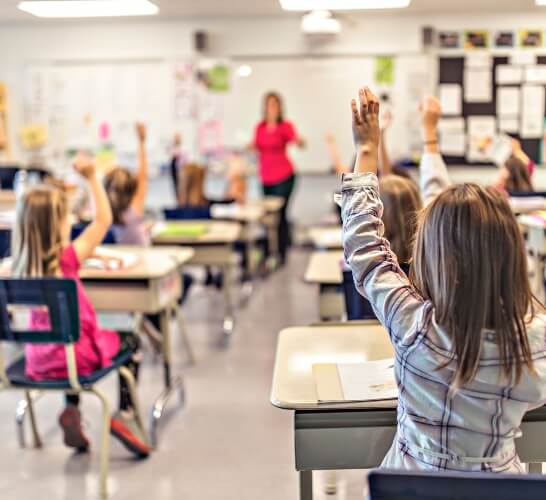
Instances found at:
x=469 y=260
x=37 y=239
x=401 y=202
x=192 y=186
x=120 y=185
x=277 y=97
x=519 y=179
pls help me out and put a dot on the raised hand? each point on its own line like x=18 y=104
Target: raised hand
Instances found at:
x=366 y=131
x=85 y=166
x=430 y=113
x=141 y=131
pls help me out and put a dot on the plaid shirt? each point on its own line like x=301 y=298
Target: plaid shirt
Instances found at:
x=439 y=428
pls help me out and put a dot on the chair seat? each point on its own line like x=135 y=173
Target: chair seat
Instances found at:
x=17 y=375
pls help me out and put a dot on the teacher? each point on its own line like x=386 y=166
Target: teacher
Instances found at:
x=271 y=138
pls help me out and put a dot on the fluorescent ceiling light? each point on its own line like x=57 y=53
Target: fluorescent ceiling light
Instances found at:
x=540 y=3
x=306 y=5
x=244 y=71
x=320 y=22
x=88 y=8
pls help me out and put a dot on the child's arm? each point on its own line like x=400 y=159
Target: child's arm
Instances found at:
x=335 y=157
x=432 y=170
x=92 y=236
x=139 y=198
x=375 y=268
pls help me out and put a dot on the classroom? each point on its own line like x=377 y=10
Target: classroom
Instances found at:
x=274 y=249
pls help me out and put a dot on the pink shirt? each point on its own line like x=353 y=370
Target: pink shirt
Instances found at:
x=275 y=166
x=95 y=348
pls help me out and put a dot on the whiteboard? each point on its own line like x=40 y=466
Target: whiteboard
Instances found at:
x=317 y=94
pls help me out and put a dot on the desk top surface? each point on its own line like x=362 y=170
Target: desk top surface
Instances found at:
x=152 y=263
x=299 y=348
x=325 y=268
x=531 y=220
x=218 y=232
x=326 y=237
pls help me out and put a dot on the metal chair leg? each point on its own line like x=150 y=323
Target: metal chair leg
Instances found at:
x=35 y=434
x=20 y=414
x=184 y=333
x=105 y=444
x=131 y=383
x=176 y=384
x=229 y=320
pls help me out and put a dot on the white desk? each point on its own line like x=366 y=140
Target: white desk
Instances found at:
x=352 y=435
x=212 y=248
x=326 y=238
x=324 y=270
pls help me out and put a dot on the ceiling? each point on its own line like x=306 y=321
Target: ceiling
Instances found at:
x=170 y=9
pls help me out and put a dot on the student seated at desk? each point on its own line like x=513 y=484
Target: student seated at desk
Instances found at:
x=468 y=335
x=515 y=176
x=41 y=247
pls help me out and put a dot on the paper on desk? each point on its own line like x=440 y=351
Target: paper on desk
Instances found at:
x=527 y=204
x=508 y=101
x=451 y=99
x=507 y=74
x=354 y=382
x=532 y=112
x=107 y=259
x=478 y=85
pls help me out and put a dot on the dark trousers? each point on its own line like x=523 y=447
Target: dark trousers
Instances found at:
x=284 y=190
x=129 y=342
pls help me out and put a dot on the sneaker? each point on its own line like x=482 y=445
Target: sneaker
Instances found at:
x=71 y=423
x=124 y=427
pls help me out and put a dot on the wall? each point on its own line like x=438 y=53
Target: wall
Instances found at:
x=24 y=44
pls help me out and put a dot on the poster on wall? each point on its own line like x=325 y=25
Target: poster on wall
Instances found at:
x=478 y=85
x=504 y=39
x=481 y=132
x=449 y=39
x=531 y=38
x=384 y=70
x=532 y=111
x=476 y=39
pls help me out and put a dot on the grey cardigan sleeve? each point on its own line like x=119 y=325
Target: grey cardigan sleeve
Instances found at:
x=433 y=176
x=375 y=268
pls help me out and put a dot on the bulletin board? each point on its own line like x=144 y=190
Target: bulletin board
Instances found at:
x=451 y=70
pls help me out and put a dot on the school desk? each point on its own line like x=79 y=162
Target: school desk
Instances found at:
x=7 y=199
x=152 y=286
x=351 y=435
x=324 y=269
x=326 y=238
x=213 y=247
x=535 y=226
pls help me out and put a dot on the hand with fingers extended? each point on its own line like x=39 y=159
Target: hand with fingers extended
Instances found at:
x=366 y=130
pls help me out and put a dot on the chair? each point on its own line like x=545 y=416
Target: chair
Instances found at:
x=18 y=299
x=391 y=485
x=187 y=213
x=79 y=227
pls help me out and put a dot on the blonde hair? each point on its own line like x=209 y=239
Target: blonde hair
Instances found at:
x=192 y=186
x=469 y=260
x=37 y=239
x=401 y=202
x=120 y=185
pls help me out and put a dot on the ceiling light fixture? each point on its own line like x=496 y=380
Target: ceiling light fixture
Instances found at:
x=320 y=22
x=541 y=3
x=88 y=8
x=307 y=5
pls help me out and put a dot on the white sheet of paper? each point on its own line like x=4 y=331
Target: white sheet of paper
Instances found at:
x=370 y=381
x=508 y=124
x=481 y=132
x=508 y=101
x=500 y=149
x=478 y=85
x=523 y=57
x=478 y=60
x=535 y=74
x=452 y=136
x=532 y=113
x=507 y=74
x=451 y=99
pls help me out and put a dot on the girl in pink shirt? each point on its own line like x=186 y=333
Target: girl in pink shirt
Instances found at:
x=41 y=247
x=271 y=138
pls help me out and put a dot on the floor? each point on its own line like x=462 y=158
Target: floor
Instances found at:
x=227 y=443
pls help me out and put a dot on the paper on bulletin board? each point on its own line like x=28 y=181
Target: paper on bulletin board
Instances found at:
x=481 y=132
x=532 y=112
x=478 y=85
x=508 y=124
x=523 y=58
x=508 y=74
x=535 y=74
x=452 y=136
x=451 y=99
x=478 y=60
x=508 y=101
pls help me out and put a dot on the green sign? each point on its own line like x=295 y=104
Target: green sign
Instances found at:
x=384 y=70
